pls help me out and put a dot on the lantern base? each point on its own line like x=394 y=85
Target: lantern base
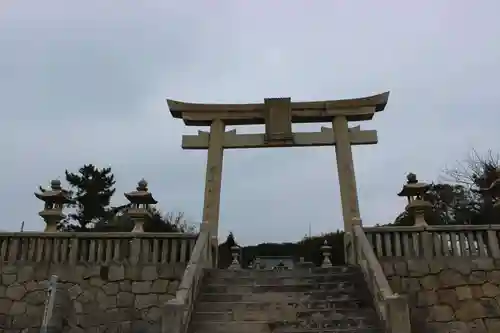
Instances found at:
x=51 y=217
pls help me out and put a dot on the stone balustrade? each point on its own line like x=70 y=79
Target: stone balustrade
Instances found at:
x=435 y=241
x=96 y=248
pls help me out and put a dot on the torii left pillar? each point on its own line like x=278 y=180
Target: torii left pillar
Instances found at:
x=213 y=179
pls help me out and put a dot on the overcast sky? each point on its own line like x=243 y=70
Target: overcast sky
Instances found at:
x=86 y=82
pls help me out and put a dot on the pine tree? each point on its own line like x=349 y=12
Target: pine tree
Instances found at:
x=159 y=222
x=92 y=189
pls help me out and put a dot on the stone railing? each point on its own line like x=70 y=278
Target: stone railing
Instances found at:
x=392 y=308
x=435 y=241
x=74 y=248
x=177 y=314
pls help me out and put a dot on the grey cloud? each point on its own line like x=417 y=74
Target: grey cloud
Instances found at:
x=75 y=76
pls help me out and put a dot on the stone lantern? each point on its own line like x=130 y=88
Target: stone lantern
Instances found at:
x=414 y=191
x=54 y=200
x=326 y=251
x=235 y=252
x=139 y=205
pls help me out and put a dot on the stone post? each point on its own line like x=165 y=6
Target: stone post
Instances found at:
x=140 y=201
x=398 y=314
x=171 y=316
x=345 y=169
x=213 y=180
x=54 y=200
x=350 y=243
x=327 y=252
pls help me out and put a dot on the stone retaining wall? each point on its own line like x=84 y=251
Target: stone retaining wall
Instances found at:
x=90 y=299
x=460 y=295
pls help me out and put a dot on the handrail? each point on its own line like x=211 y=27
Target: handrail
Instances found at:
x=178 y=310
x=366 y=251
x=392 y=308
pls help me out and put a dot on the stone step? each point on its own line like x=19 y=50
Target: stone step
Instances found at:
x=339 y=305
x=266 y=327
x=227 y=273
x=284 y=280
x=264 y=288
x=315 y=295
x=286 y=314
x=266 y=330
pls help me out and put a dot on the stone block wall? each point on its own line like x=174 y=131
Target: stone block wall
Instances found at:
x=452 y=294
x=89 y=298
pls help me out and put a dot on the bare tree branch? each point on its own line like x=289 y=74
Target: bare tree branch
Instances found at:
x=474 y=170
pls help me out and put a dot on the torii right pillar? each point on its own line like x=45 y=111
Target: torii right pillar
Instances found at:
x=345 y=170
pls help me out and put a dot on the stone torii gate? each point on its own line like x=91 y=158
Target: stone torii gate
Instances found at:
x=278 y=114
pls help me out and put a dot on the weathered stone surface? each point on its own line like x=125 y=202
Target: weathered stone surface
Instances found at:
x=483 y=264
x=17 y=308
x=418 y=268
x=125 y=299
x=460 y=295
x=427 y=298
x=8 y=279
x=111 y=288
x=400 y=269
x=25 y=274
x=15 y=292
x=5 y=305
x=450 y=278
x=89 y=302
x=36 y=297
x=126 y=285
x=430 y=282
x=160 y=286
x=116 y=273
x=490 y=290
x=493 y=325
x=463 y=293
x=145 y=301
x=141 y=287
x=470 y=310
x=477 y=277
x=149 y=273
x=441 y=313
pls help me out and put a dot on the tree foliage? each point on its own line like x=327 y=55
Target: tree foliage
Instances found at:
x=308 y=248
x=91 y=189
x=457 y=199
x=159 y=222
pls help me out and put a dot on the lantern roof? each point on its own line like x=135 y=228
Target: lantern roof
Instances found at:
x=413 y=187
x=141 y=195
x=55 y=194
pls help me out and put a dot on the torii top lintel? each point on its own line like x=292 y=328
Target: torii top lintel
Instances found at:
x=196 y=114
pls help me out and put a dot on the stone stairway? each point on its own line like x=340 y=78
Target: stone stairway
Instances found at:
x=330 y=300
